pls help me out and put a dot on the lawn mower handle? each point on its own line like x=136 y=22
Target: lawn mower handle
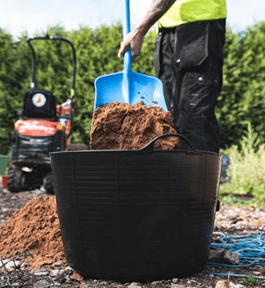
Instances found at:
x=48 y=37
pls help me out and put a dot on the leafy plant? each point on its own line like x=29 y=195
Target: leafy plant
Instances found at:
x=9 y=165
x=251 y=280
x=234 y=271
x=200 y=273
x=247 y=172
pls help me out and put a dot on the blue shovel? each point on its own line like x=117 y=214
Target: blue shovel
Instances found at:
x=128 y=86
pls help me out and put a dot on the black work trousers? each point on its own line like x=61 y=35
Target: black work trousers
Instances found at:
x=189 y=59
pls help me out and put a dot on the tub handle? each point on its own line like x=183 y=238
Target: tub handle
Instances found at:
x=150 y=145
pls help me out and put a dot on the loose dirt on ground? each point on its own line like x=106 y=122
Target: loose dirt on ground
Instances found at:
x=35 y=227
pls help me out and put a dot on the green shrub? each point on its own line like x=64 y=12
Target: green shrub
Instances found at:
x=247 y=172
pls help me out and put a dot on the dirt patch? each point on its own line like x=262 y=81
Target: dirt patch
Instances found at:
x=35 y=229
x=121 y=126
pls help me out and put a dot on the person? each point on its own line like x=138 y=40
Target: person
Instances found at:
x=188 y=58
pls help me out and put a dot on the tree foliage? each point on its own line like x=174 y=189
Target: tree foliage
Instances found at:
x=242 y=98
x=14 y=73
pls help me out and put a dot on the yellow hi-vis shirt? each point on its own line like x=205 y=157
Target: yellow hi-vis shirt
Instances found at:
x=185 y=11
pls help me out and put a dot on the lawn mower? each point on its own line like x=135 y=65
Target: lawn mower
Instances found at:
x=42 y=128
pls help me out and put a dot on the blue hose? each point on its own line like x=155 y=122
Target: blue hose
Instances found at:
x=250 y=249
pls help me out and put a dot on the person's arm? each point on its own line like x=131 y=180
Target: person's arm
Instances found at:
x=134 y=40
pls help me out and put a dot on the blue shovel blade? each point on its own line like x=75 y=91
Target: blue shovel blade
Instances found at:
x=112 y=87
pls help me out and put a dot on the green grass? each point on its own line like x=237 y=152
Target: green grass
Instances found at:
x=247 y=187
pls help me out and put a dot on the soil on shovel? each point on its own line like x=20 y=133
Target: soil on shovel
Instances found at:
x=121 y=126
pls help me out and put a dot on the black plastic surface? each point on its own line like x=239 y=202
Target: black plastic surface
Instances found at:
x=138 y=214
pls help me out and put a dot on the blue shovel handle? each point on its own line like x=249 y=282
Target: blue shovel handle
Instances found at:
x=127 y=61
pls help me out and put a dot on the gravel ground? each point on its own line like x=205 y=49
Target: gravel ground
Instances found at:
x=229 y=220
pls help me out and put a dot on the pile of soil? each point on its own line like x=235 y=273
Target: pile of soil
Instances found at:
x=34 y=229
x=121 y=126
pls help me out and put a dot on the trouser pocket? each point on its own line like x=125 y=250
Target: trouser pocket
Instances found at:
x=191 y=46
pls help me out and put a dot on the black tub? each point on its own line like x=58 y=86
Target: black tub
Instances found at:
x=136 y=214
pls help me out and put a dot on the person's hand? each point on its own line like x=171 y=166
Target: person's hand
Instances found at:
x=133 y=41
